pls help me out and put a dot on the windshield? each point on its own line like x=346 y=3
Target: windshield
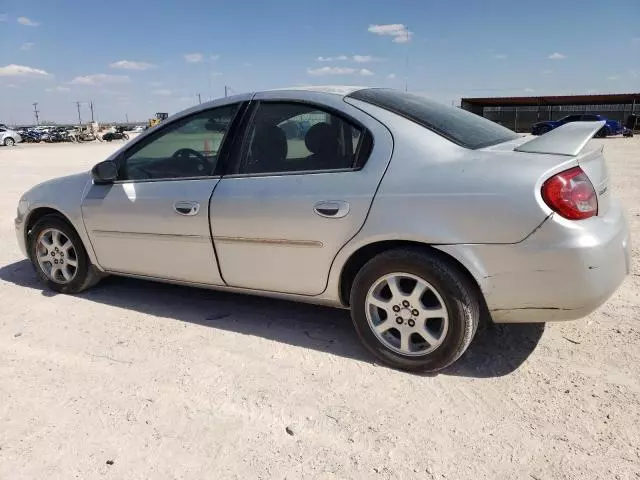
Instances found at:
x=464 y=128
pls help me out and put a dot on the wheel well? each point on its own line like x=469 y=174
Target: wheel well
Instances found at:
x=360 y=257
x=38 y=213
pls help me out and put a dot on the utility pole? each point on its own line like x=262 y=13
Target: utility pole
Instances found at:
x=225 y=91
x=36 y=112
x=199 y=98
x=91 y=106
x=126 y=117
x=79 y=118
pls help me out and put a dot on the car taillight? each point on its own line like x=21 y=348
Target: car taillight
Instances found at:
x=571 y=194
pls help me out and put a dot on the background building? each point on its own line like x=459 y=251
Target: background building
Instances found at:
x=519 y=113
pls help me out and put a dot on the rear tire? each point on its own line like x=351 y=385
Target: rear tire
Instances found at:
x=602 y=133
x=439 y=323
x=51 y=240
x=9 y=142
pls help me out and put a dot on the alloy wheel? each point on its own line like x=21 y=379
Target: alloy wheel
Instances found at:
x=407 y=314
x=57 y=256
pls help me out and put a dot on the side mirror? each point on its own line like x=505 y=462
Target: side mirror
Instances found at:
x=105 y=172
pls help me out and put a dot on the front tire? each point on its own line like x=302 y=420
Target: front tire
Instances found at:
x=602 y=133
x=414 y=310
x=59 y=257
x=9 y=142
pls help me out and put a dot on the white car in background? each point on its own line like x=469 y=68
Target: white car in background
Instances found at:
x=9 y=137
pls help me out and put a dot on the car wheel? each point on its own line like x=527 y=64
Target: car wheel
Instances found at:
x=9 y=142
x=59 y=257
x=414 y=310
x=602 y=133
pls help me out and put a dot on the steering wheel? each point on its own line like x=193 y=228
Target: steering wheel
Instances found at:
x=202 y=165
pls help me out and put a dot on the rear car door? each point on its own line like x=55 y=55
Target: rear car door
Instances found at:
x=301 y=186
x=154 y=220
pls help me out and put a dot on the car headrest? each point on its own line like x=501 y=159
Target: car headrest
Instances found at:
x=269 y=144
x=322 y=137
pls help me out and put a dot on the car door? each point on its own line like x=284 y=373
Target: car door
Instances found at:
x=154 y=220
x=301 y=186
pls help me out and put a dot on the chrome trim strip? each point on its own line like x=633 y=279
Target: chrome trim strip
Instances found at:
x=157 y=236
x=269 y=241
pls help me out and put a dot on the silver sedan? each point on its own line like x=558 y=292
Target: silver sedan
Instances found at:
x=422 y=219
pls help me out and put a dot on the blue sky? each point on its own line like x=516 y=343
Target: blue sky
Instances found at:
x=136 y=58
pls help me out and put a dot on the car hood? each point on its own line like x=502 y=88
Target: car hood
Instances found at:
x=61 y=190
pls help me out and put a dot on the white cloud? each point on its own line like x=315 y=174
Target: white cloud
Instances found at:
x=500 y=56
x=130 y=65
x=21 y=71
x=391 y=76
x=59 y=88
x=547 y=72
x=155 y=84
x=332 y=59
x=365 y=59
x=557 y=56
x=27 y=46
x=193 y=57
x=331 y=71
x=3 y=17
x=246 y=64
x=529 y=90
x=339 y=71
x=163 y=92
x=216 y=74
x=11 y=85
x=213 y=58
x=100 y=79
x=29 y=23
x=613 y=77
x=635 y=40
x=398 y=31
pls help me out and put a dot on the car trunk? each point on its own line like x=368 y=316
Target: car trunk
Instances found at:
x=566 y=143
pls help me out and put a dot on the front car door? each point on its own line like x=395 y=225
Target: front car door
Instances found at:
x=301 y=187
x=154 y=220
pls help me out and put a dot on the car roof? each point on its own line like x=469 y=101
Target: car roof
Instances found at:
x=341 y=90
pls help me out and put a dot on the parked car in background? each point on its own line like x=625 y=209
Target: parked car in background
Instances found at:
x=416 y=216
x=611 y=127
x=9 y=137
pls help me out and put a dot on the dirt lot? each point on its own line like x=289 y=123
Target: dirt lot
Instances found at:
x=137 y=380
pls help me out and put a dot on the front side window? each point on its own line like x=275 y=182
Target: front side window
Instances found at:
x=293 y=137
x=186 y=148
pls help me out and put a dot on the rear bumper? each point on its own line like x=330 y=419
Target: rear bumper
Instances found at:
x=563 y=271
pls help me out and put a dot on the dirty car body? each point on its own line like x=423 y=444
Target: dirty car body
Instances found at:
x=415 y=215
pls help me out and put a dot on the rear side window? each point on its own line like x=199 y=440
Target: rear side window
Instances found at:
x=464 y=128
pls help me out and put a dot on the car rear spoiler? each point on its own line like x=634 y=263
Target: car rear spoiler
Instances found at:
x=568 y=139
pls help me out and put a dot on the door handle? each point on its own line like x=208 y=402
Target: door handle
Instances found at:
x=332 y=209
x=186 y=208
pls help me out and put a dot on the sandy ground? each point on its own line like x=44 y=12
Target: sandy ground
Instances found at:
x=138 y=380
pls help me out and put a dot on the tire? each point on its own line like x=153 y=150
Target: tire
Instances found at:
x=125 y=136
x=449 y=288
x=84 y=273
x=9 y=142
x=602 y=133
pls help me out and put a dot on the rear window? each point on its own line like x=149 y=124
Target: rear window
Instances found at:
x=464 y=128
